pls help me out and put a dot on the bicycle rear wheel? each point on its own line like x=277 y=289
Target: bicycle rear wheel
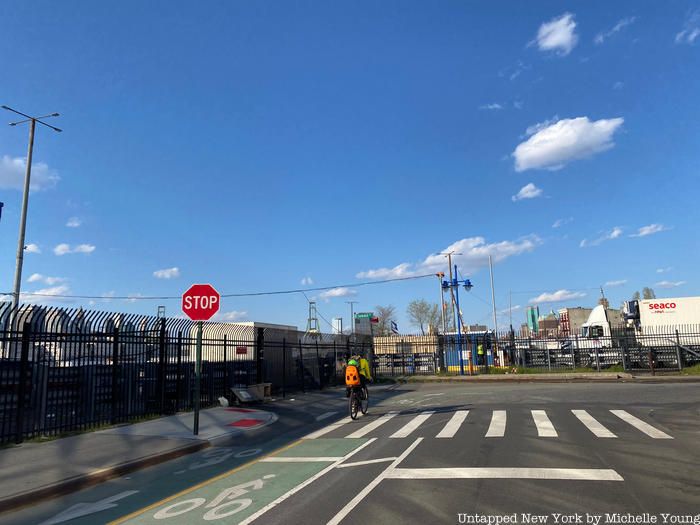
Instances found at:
x=364 y=400
x=353 y=404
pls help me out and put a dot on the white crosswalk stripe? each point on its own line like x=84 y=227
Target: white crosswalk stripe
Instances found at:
x=373 y=425
x=641 y=425
x=498 y=424
x=592 y=424
x=412 y=425
x=544 y=425
x=452 y=426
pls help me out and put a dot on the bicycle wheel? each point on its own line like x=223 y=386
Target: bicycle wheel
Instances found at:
x=364 y=400
x=353 y=404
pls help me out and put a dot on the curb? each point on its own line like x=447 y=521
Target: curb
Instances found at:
x=67 y=486
x=551 y=379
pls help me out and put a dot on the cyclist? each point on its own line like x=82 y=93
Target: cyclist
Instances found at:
x=362 y=365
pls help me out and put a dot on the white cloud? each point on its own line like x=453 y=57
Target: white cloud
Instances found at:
x=531 y=130
x=133 y=297
x=518 y=104
x=529 y=191
x=649 y=230
x=561 y=222
x=613 y=284
x=74 y=222
x=559 y=35
x=32 y=248
x=37 y=277
x=618 y=85
x=167 y=273
x=507 y=311
x=471 y=254
x=600 y=37
x=44 y=295
x=664 y=270
x=615 y=233
x=307 y=281
x=230 y=317
x=495 y=105
x=337 y=292
x=557 y=297
x=691 y=28
x=552 y=146
x=12 y=171
x=669 y=284
x=64 y=249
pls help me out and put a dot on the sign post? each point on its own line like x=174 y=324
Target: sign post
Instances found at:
x=200 y=303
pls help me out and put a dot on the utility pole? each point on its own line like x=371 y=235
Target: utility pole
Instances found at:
x=452 y=293
x=352 y=318
x=25 y=197
x=440 y=276
x=493 y=303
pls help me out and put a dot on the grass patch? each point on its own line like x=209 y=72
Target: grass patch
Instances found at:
x=692 y=370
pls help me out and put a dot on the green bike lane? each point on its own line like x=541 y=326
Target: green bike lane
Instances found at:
x=247 y=492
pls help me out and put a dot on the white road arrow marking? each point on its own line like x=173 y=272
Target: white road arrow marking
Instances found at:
x=85 y=509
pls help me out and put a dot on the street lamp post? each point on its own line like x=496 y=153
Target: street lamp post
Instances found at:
x=453 y=284
x=25 y=197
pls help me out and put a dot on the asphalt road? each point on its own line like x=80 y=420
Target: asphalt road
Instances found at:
x=439 y=453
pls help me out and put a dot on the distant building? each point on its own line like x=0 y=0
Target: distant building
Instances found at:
x=363 y=323
x=571 y=320
x=548 y=326
x=532 y=315
x=475 y=328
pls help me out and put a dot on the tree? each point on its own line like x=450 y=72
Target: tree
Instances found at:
x=648 y=293
x=636 y=296
x=423 y=315
x=386 y=315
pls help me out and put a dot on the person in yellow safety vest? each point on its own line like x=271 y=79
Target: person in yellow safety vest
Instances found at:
x=480 y=353
x=364 y=370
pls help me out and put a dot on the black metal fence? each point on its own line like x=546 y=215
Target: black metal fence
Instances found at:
x=70 y=370
x=667 y=348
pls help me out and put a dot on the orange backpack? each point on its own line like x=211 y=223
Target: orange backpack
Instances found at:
x=352 y=375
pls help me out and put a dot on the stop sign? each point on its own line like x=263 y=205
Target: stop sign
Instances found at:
x=200 y=302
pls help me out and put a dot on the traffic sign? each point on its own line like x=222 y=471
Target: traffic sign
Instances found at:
x=200 y=302
x=364 y=315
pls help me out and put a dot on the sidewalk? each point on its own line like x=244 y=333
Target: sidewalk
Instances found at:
x=32 y=471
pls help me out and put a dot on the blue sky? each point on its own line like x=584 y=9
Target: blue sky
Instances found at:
x=255 y=145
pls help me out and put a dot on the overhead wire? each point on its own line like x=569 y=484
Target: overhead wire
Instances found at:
x=224 y=295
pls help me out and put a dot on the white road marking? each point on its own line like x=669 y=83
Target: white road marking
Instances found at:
x=593 y=425
x=497 y=428
x=641 y=425
x=300 y=459
x=412 y=425
x=326 y=415
x=329 y=428
x=453 y=424
x=347 y=509
x=506 y=473
x=85 y=509
x=373 y=425
x=431 y=395
x=368 y=462
x=296 y=489
x=544 y=425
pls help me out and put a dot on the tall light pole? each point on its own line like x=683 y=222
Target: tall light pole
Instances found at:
x=440 y=276
x=452 y=294
x=25 y=198
x=352 y=317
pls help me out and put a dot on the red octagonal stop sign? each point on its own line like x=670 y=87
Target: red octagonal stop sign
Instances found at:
x=200 y=302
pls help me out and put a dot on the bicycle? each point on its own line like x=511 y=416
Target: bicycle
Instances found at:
x=358 y=401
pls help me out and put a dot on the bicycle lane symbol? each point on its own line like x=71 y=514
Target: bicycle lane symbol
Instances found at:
x=227 y=503
x=241 y=494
